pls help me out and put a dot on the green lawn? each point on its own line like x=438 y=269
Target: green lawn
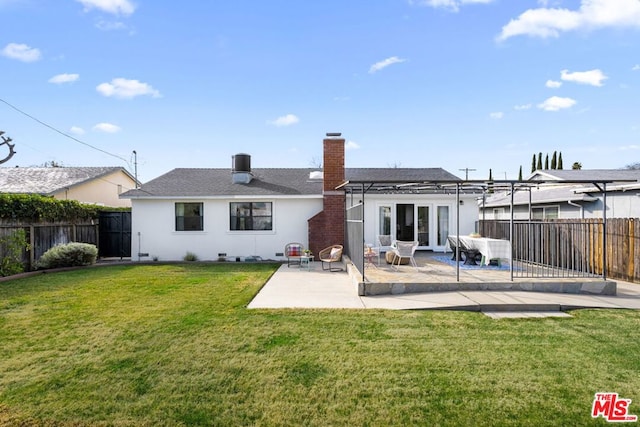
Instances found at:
x=175 y=345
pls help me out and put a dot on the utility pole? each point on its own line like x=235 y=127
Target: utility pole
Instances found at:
x=466 y=173
x=135 y=167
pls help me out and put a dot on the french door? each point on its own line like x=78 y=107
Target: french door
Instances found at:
x=426 y=223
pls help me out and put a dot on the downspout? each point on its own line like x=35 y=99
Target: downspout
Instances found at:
x=569 y=202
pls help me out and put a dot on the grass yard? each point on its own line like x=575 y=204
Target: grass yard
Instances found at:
x=173 y=345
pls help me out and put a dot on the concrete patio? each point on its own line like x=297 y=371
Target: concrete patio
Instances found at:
x=292 y=287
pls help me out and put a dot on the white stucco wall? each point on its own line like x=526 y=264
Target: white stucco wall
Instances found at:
x=468 y=213
x=153 y=229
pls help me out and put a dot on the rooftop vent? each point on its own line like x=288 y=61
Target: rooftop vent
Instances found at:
x=241 y=169
x=334 y=134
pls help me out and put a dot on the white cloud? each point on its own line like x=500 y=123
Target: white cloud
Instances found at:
x=64 y=78
x=76 y=130
x=107 y=128
x=452 y=5
x=385 y=63
x=115 y=7
x=553 y=84
x=497 y=115
x=556 y=103
x=286 y=120
x=629 y=147
x=522 y=107
x=636 y=67
x=593 y=77
x=21 y=52
x=124 y=89
x=351 y=145
x=592 y=14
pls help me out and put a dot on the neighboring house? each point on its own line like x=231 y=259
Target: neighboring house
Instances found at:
x=567 y=194
x=95 y=185
x=247 y=212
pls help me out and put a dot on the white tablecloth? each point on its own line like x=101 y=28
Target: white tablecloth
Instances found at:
x=489 y=248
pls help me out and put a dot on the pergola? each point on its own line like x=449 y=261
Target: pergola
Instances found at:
x=362 y=187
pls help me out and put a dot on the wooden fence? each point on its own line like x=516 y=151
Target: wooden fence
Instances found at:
x=576 y=246
x=43 y=236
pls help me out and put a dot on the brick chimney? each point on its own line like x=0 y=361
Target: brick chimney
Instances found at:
x=327 y=227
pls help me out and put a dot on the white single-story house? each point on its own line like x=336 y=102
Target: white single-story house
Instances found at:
x=94 y=185
x=244 y=212
x=569 y=194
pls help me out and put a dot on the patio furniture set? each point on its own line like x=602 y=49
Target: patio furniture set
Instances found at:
x=297 y=255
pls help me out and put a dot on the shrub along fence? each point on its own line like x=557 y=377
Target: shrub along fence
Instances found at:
x=40 y=237
x=577 y=247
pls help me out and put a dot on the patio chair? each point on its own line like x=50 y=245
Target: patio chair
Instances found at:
x=293 y=251
x=404 y=250
x=471 y=255
x=384 y=244
x=331 y=255
x=453 y=244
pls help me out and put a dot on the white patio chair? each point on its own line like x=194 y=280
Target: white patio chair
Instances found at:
x=404 y=250
x=384 y=245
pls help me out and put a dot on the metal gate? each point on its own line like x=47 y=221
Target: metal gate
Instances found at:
x=115 y=234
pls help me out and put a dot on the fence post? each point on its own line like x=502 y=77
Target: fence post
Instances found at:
x=32 y=247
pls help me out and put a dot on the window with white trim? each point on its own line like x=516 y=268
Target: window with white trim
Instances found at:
x=547 y=212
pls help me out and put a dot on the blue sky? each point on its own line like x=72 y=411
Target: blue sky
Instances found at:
x=479 y=84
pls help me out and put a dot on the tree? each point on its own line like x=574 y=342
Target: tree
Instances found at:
x=539 y=166
x=520 y=174
x=560 y=161
x=546 y=162
x=633 y=166
x=554 y=160
x=315 y=162
x=576 y=165
x=533 y=164
x=52 y=164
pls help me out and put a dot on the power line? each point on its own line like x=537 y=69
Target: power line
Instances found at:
x=63 y=133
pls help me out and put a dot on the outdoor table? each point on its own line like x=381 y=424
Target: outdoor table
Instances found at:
x=306 y=261
x=489 y=248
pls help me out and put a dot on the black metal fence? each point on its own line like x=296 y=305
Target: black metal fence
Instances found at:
x=571 y=248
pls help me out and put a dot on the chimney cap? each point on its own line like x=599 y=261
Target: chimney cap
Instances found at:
x=334 y=134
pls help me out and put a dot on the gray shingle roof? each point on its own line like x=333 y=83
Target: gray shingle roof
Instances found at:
x=548 y=194
x=217 y=182
x=590 y=174
x=46 y=181
x=267 y=181
x=399 y=174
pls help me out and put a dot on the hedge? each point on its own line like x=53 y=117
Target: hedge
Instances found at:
x=36 y=208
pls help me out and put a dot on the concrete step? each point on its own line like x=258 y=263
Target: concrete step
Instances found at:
x=524 y=314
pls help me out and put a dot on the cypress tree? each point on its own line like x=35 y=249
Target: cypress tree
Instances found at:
x=533 y=164
x=546 y=162
x=520 y=174
x=554 y=161
x=539 y=166
x=560 y=161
